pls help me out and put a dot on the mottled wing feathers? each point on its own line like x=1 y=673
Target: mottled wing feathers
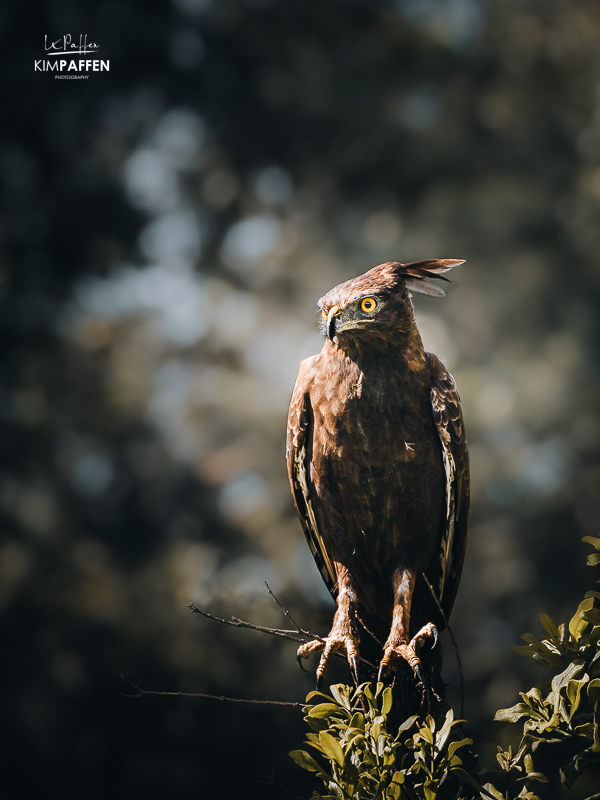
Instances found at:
x=447 y=414
x=298 y=452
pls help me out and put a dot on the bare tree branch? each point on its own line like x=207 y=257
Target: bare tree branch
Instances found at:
x=283 y=634
x=142 y=692
x=240 y=623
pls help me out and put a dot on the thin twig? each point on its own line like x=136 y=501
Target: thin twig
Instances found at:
x=287 y=614
x=141 y=692
x=371 y=634
x=240 y=623
x=456 y=651
x=283 y=634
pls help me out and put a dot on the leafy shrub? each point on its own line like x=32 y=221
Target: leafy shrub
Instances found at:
x=368 y=761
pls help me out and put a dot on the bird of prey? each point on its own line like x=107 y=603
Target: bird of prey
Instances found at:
x=379 y=468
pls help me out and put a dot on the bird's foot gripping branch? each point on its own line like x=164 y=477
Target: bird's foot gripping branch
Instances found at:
x=366 y=757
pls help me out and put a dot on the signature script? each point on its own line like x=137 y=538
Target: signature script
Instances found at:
x=69 y=46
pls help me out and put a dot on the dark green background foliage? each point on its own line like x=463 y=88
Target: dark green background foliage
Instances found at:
x=166 y=230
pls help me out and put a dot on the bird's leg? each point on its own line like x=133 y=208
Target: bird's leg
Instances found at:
x=343 y=633
x=398 y=646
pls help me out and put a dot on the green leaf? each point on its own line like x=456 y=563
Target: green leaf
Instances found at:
x=577 y=623
x=388 y=701
x=540 y=652
x=429 y=792
x=310 y=696
x=529 y=637
x=394 y=790
x=306 y=761
x=593 y=560
x=556 y=661
x=454 y=746
x=342 y=694
x=586 y=731
x=331 y=748
x=574 y=768
x=574 y=693
x=378 y=722
x=561 y=680
x=357 y=721
x=338 y=793
x=324 y=710
x=465 y=777
x=408 y=723
x=368 y=694
x=593 y=540
x=513 y=714
x=317 y=724
x=424 y=733
x=445 y=730
x=593 y=693
x=549 y=626
x=491 y=789
x=592 y=616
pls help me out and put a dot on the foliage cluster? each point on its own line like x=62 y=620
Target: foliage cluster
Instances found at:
x=368 y=761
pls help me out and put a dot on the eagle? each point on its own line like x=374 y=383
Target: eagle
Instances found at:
x=378 y=467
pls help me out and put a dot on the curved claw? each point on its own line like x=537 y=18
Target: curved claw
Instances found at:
x=299 y=662
x=319 y=682
x=435 y=637
x=419 y=672
x=382 y=667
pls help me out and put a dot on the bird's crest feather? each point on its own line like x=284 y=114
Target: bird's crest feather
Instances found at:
x=417 y=273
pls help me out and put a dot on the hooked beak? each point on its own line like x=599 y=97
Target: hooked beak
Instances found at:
x=333 y=311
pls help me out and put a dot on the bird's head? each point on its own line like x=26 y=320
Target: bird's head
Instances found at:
x=379 y=301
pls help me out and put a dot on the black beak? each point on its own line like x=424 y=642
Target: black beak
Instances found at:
x=331 y=322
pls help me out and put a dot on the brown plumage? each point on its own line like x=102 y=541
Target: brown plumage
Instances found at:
x=379 y=469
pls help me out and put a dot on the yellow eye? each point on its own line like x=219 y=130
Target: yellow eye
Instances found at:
x=368 y=304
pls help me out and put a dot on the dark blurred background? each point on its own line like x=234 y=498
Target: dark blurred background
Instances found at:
x=167 y=228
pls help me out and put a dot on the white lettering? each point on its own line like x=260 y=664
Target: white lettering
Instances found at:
x=37 y=66
x=105 y=65
x=72 y=65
